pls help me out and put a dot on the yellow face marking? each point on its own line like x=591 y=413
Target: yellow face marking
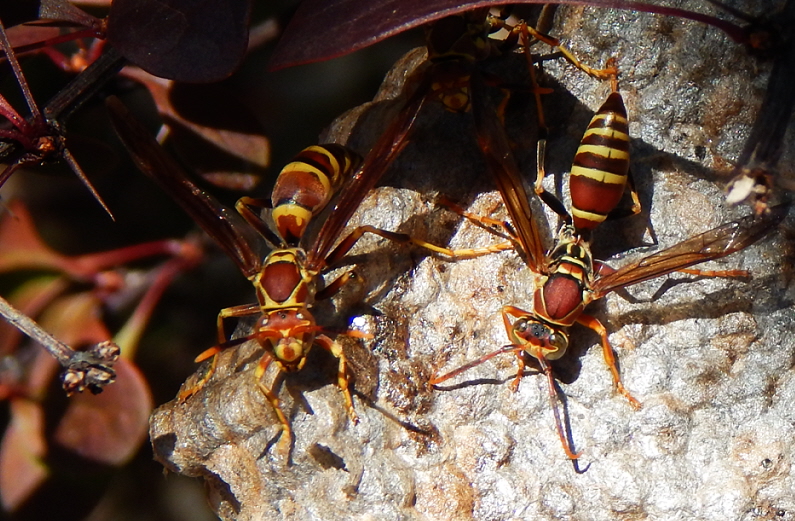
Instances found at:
x=289 y=350
x=456 y=102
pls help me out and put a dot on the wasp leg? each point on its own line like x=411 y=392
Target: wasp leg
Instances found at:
x=610 y=358
x=331 y=289
x=508 y=311
x=602 y=74
x=495 y=226
x=262 y=366
x=208 y=373
x=549 y=199
x=403 y=238
x=236 y=311
x=620 y=213
x=715 y=273
x=244 y=206
x=537 y=89
x=519 y=372
x=243 y=310
x=343 y=377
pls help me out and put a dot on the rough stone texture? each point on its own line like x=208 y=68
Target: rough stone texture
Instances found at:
x=711 y=360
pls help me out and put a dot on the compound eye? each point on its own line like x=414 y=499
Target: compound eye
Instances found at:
x=520 y=326
x=559 y=341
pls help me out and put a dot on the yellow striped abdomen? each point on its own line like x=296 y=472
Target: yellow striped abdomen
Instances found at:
x=305 y=186
x=601 y=165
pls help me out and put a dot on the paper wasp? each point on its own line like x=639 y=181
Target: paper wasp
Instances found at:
x=288 y=280
x=570 y=279
x=458 y=46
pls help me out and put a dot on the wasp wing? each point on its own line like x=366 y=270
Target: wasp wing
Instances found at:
x=713 y=244
x=225 y=226
x=375 y=163
x=501 y=163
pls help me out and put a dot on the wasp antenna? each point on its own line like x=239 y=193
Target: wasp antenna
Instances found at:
x=510 y=348
x=214 y=350
x=553 y=403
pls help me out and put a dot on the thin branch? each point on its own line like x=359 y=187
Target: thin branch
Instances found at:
x=91 y=369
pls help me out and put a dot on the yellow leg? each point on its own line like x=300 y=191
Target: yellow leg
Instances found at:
x=603 y=74
x=610 y=359
x=343 y=379
x=519 y=371
x=190 y=391
x=244 y=206
x=236 y=311
x=549 y=199
x=337 y=284
x=537 y=90
x=287 y=432
x=486 y=222
x=403 y=238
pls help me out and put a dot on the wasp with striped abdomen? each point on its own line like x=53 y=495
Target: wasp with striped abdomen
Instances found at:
x=288 y=280
x=570 y=279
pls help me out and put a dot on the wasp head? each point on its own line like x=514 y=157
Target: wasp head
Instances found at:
x=540 y=340
x=288 y=334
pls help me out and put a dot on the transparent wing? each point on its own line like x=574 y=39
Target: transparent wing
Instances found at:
x=375 y=163
x=713 y=244
x=501 y=163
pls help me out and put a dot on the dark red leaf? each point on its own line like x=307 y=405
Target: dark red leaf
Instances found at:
x=21 y=452
x=76 y=319
x=108 y=427
x=325 y=29
x=22 y=11
x=21 y=247
x=29 y=35
x=63 y=11
x=220 y=140
x=186 y=40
